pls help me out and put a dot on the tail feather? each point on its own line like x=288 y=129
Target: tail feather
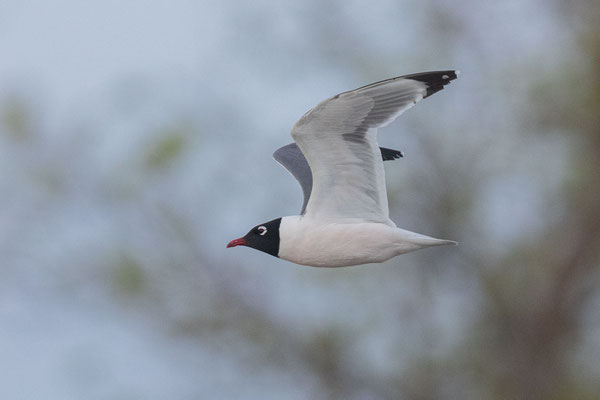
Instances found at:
x=429 y=241
x=421 y=241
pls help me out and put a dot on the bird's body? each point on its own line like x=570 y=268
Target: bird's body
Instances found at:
x=337 y=161
x=345 y=243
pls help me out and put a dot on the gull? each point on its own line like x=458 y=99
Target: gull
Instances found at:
x=338 y=163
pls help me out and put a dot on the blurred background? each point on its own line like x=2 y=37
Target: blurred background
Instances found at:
x=136 y=141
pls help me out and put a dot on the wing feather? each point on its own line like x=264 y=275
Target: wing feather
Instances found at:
x=339 y=141
x=291 y=158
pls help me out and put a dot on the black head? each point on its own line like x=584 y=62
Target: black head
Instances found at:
x=263 y=237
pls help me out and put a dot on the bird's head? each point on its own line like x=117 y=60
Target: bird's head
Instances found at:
x=263 y=237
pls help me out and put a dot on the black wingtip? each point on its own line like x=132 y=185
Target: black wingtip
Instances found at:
x=390 y=154
x=435 y=80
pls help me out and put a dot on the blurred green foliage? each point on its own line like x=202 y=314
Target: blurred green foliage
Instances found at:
x=16 y=118
x=127 y=276
x=166 y=148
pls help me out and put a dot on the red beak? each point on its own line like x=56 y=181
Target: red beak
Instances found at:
x=237 y=242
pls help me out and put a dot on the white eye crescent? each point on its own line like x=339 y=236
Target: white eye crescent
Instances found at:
x=262 y=231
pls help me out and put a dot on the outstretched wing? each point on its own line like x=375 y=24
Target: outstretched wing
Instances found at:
x=339 y=141
x=292 y=159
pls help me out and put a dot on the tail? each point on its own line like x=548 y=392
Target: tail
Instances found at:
x=414 y=241
x=427 y=241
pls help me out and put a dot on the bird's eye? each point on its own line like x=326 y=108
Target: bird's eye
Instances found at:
x=261 y=230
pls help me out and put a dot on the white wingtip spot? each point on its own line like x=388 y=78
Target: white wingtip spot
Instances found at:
x=445 y=77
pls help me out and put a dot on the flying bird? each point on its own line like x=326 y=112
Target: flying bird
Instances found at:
x=337 y=161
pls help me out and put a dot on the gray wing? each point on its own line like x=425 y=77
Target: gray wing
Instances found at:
x=291 y=158
x=338 y=137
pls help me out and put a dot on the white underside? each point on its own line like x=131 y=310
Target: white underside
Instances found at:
x=333 y=243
